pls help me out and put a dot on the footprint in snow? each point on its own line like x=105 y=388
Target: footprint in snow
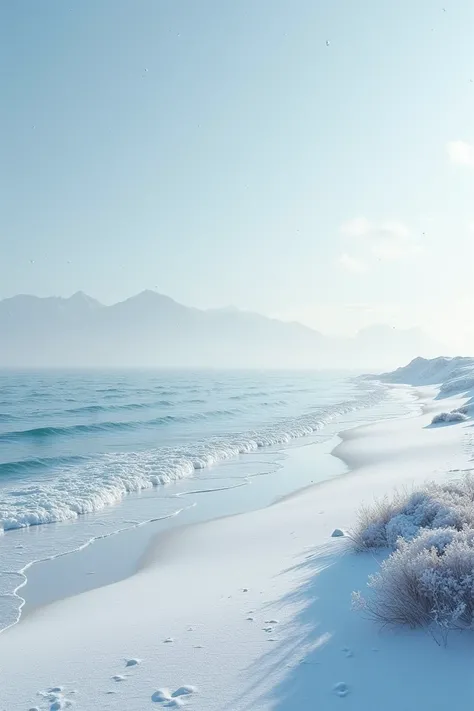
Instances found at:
x=341 y=689
x=175 y=699
x=119 y=677
x=267 y=629
x=55 y=696
x=348 y=652
x=271 y=622
x=132 y=662
x=168 y=640
x=185 y=690
x=161 y=695
x=59 y=704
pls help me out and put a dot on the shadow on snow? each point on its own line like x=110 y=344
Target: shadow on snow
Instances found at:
x=326 y=643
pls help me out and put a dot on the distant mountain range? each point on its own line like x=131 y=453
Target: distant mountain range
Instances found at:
x=152 y=330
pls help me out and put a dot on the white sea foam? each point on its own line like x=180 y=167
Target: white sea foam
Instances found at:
x=105 y=480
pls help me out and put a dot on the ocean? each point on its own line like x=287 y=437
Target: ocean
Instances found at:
x=84 y=455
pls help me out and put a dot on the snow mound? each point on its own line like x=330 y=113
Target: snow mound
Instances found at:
x=446 y=417
x=423 y=371
x=459 y=382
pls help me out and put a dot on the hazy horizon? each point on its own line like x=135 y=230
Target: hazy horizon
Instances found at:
x=229 y=308
x=153 y=330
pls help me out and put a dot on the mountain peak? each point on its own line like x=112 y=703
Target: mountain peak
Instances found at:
x=153 y=329
x=149 y=296
x=150 y=302
x=80 y=297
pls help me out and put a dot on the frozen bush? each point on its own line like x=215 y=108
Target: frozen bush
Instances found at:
x=370 y=530
x=426 y=581
x=400 y=526
x=454 y=416
x=449 y=505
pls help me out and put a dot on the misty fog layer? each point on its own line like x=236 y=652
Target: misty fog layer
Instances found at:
x=152 y=330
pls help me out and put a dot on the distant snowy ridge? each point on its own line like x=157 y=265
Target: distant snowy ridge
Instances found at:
x=453 y=375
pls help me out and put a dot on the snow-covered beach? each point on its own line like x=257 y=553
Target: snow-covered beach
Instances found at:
x=236 y=472
x=254 y=611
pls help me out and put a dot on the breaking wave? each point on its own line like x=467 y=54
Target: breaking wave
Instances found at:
x=80 y=486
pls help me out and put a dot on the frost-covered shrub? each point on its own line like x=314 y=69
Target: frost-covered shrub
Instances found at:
x=370 y=530
x=449 y=505
x=427 y=580
x=400 y=526
x=453 y=416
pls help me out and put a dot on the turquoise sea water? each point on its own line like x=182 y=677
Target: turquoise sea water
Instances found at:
x=86 y=454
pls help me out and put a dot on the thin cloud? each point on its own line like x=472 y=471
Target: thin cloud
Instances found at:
x=392 y=241
x=461 y=153
x=352 y=264
x=385 y=241
x=357 y=227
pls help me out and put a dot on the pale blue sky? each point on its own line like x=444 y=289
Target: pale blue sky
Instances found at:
x=213 y=150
